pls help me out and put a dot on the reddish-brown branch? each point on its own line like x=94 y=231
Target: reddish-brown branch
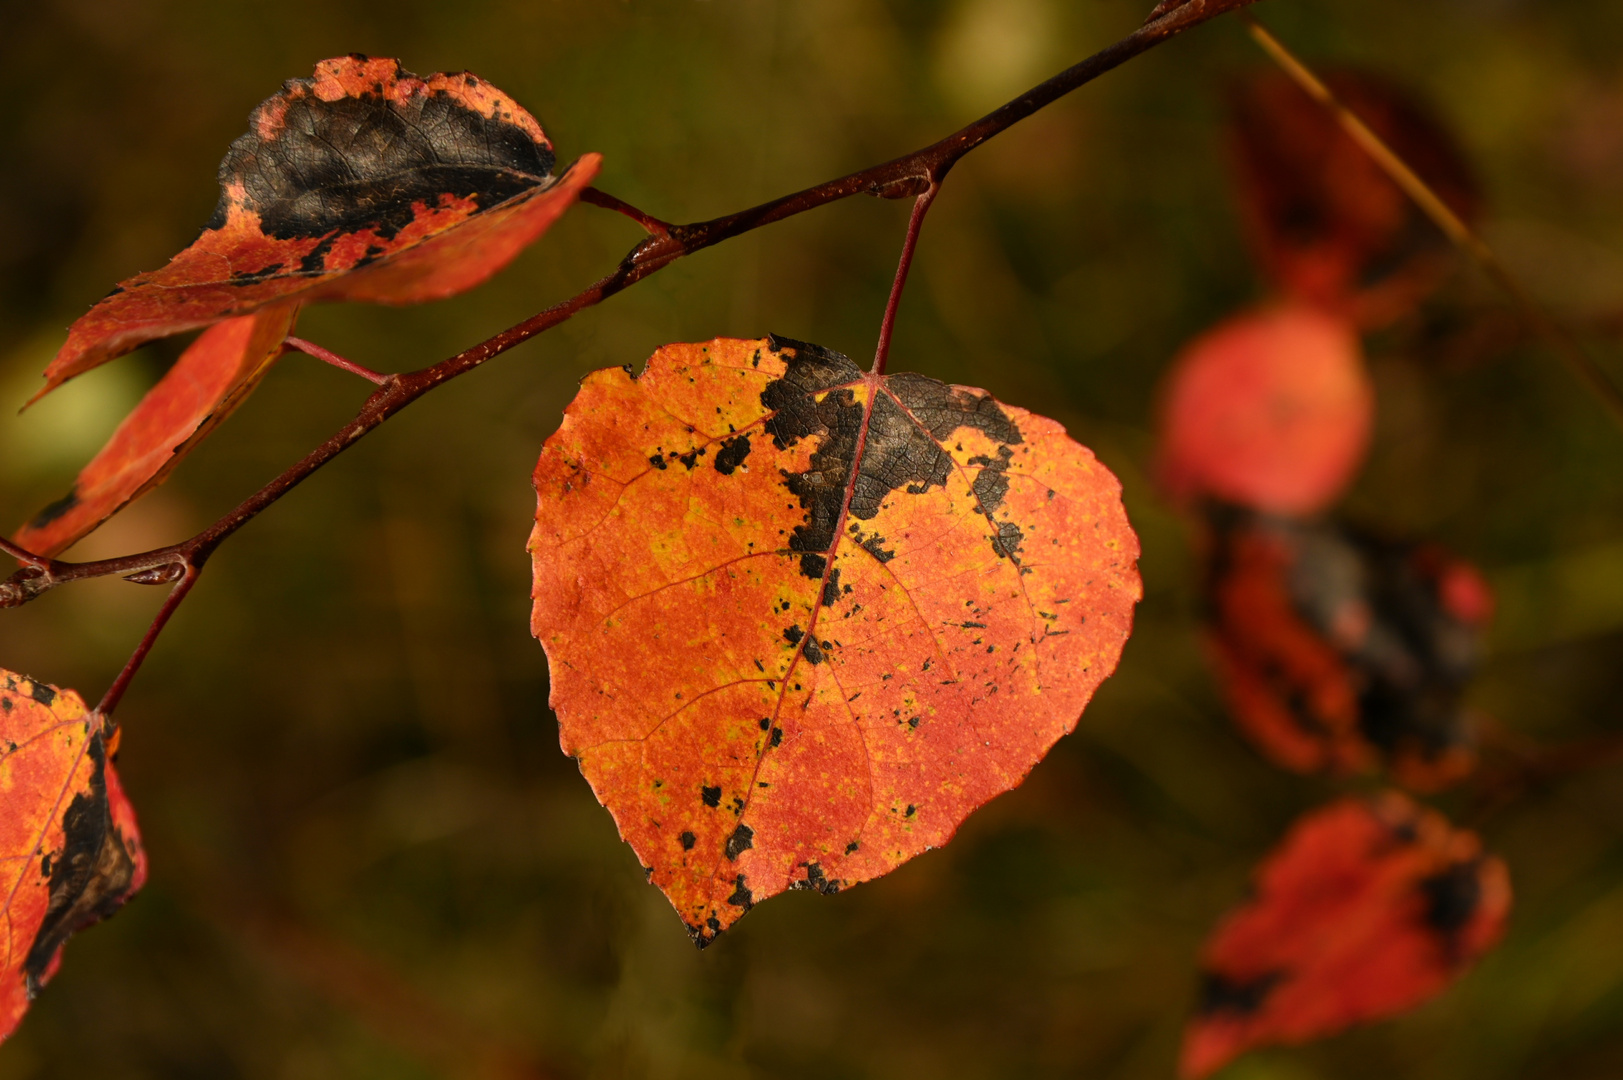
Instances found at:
x=310 y=348
x=911 y=175
x=887 y=326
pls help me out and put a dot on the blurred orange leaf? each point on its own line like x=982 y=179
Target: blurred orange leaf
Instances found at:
x=1327 y=223
x=211 y=378
x=1368 y=908
x=803 y=620
x=1270 y=409
x=70 y=854
x=1339 y=650
x=364 y=182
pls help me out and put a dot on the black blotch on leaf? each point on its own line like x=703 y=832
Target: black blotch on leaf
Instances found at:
x=1222 y=995
x=89 y=878
x=55 y=510
x=732 y=454
x=742 y=840
x=688 y=840
x=711 y=795
x=337 y=167
x=741 y=894
x=658 y=461
x=41 y=693
x=1452 y=897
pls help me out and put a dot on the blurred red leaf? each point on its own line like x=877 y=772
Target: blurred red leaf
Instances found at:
x=1368 y=908
x=364 y=182
x=802 y=620
x=70 y=854
x=211 y=378
x=1328 y=225
x=1339 y=649
x=1270 y=409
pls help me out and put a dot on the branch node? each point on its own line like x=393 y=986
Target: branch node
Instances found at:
x=24 y=585
x=906 y=187
x=158 y=575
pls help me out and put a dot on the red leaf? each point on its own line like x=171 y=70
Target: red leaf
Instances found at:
x=1339 y=649
x=1270 y=409
x=1327 y=224
x=70 y=854
x=364 y=182
x=801 y=621
x=208 y=382
x=1368 y=908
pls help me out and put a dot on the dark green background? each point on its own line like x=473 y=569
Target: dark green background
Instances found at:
x=369 y=858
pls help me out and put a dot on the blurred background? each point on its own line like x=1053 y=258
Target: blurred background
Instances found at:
x=369 y=858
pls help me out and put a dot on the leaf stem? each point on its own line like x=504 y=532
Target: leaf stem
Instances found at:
x=109 y=701
x=654 y=225
x=915 y=223
x=310 y=348
x=23 y=555
x=1566 y=346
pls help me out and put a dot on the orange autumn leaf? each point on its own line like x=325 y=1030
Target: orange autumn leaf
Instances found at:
x=70 y=854
x=1326 y=222
x=1270 y=409
x=211 y=378
x=1339 y=649
x=364 y=182
x=802 y=620
x=1368 y=908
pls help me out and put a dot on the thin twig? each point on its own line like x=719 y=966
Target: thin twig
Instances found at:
x=310 y=348
x=908 y=176
x=1567 y=347
x=915 y=222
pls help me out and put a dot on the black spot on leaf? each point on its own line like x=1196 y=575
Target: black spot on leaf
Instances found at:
x=742 y=840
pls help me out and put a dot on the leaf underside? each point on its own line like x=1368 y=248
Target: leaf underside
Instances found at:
x=213 y=376
x=70 y=853
x=801 y=621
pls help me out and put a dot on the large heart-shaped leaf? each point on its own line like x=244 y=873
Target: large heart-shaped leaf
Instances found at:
x=803 y=620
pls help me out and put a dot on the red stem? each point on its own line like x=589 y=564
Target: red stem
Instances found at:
x=22 y=555
x=915 y=223
x=913 y=174
x=110 y=700
x=310 y=348
x=648 y=221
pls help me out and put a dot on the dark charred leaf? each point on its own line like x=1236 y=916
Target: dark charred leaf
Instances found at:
x=363 y=182
x=1340 y=650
